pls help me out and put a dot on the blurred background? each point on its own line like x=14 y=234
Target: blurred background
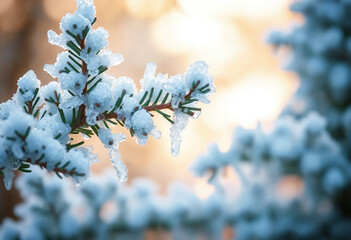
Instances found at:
x=228 y=34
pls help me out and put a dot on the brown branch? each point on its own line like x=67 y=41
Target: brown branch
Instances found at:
x=192 y=90
x=30 y=107
x=158 y=107
x=113 y=115
x=84 y=70
x=84 y=64
x=56 y=169
x=82 y=107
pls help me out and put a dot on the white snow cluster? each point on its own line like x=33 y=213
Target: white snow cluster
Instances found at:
x=26 y=86
x=198 y=72
x=37 y=124
x=26 y=140
x=95 y=42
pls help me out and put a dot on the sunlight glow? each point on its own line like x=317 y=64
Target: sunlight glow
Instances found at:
x=255 y=98
x=179 y=33
x=57 y=11
x=202 y=188
x=5 y=5
x=146 y=8
x=290 y=187
x=253 y=9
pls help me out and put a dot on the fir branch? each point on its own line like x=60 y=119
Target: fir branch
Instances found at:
x=158 y=107
x=57 y=169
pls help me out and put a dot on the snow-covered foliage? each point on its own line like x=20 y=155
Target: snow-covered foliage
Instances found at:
x=54 y=208
x=37 y=125
x=320 y=55
x=263 y=160
x=310 y=142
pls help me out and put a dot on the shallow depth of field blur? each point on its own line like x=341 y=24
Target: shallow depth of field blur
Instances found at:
x=228 y=34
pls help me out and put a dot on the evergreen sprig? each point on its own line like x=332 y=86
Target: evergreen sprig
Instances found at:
x=78 y=107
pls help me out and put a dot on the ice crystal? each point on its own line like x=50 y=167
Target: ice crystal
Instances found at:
x=180 y=122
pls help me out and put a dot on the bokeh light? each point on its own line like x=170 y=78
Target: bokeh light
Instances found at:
x=214 y=40
x=248 y=9
x=255 y=98
x=56 y=11
x=146 y=8
x=5 y=5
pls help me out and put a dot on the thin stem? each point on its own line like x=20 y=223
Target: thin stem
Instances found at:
x=158 y=107
x=57 y=169
x=150 y=108
x=192 y=90
x=84 y=64
x=62 y=170
x=30 y=107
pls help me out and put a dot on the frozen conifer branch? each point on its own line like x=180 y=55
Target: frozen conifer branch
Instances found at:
x=37 y=124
